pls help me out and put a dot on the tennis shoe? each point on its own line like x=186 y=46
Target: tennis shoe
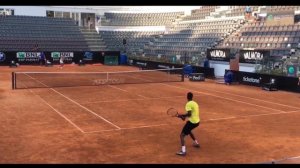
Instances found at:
x=180 y=153
x=196 y=145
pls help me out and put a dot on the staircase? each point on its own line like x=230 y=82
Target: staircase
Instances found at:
x=234 y=33
x=93 y=39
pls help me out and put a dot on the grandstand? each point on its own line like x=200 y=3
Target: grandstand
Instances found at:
x=186 y=34
x=23 y=33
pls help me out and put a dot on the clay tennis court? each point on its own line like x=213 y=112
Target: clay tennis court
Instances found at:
x=127 y=123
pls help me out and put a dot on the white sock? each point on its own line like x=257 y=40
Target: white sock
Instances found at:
x=196 y=142
x=183 y=149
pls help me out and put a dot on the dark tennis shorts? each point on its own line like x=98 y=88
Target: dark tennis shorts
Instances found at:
x=188 y=127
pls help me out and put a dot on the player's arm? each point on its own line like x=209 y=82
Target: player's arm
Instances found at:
x=187 y=114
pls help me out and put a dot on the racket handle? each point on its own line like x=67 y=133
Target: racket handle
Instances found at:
x=181 y=116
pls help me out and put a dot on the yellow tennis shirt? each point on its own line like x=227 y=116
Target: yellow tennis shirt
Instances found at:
x=194 y=108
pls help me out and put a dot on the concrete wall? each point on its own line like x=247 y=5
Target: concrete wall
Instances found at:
x=219 y=67
x=247 y=67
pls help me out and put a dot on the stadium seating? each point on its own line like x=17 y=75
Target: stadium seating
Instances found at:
x=239 y=10
x=140 y=19
x=23 y=33
x=199 y=14
x=135 y=40
x=192 y=38
x=184 y=34
x=279 y=39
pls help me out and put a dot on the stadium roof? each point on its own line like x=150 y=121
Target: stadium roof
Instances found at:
x=136 y=8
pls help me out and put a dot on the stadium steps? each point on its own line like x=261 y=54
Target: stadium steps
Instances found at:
x=234 y=33
x=93 y=39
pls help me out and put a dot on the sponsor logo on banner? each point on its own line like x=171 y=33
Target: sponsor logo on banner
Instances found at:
x=163 y=66
x=292 y=70
x=88 y=56
x=68 y=56
x=197 y=78
x=2 y=57
x=253 y=55
x=55 y=56
x=28 y=56
x=141 y=63
x=218 y=54
x=251 y=80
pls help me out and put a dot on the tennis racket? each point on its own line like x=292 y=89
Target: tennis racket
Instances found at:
x=172 y=112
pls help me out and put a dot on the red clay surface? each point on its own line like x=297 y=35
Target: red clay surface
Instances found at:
x=128 y=123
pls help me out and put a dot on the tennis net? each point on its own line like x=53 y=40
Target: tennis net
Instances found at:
x=23 y=80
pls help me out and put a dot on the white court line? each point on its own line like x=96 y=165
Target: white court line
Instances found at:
x=59 y=113
x=294 y=111
x=223 y=97
x=209 y=119
x=117 y=88
x=218 y=96
x=232 y=99
x=146 y=98
x=202 y=121
x=224 y=118
x=137 y=127
x=287 y=158
x=254 y=115
x=86 y=109
x=126 y=91
x=249 y=98
x=109 y=130
x=145 y=126
x=77 y=103
x=251 y=115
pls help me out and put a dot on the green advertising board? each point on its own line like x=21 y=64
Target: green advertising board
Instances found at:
x=111 y=60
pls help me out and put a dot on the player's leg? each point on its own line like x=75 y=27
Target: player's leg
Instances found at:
x=182 y=152
x=185 y=131
x=196 y=143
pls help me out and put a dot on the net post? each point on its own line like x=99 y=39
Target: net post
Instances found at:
x=107 y=78
x=169 y=73
x=13 y=80
x=182 y=75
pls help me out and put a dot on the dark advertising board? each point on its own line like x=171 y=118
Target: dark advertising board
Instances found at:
x=110 y=57
x=255 y=79
x=218 y=54
x=33 y=58
x=253 y=56
x=7 y=57
x=153 y=65
x=208 y=72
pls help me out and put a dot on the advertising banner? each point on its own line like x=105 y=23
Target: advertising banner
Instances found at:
x=28 y=57
x=253 y=56
x=218 y=54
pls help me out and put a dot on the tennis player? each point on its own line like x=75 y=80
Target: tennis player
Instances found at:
x=192 y=110
x=61 y=62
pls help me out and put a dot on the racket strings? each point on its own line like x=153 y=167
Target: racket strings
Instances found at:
x=172 y=112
